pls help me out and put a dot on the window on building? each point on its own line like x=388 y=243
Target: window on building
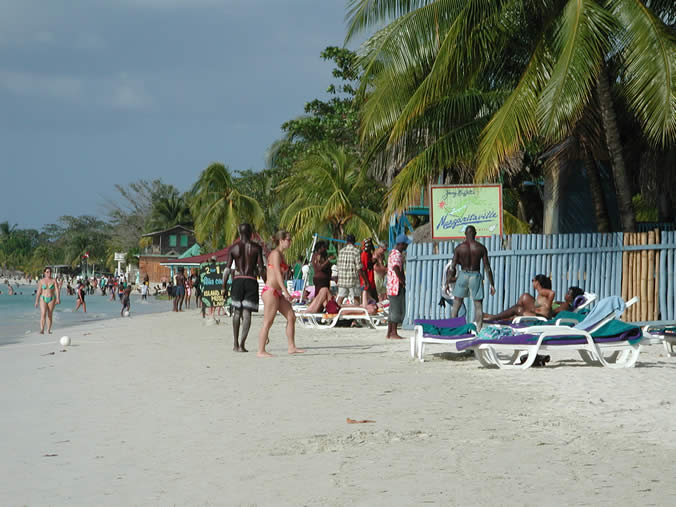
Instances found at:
x=184 y=240
x=172 y=240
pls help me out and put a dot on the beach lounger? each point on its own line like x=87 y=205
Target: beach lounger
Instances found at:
x=666 y=336
x=327 y=321
x=447 y=332
x=599 y=339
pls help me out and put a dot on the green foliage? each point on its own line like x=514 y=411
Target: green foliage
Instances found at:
x=464 y=86
x=643 y=211
x=329 y=193
x=218 y=207
x=169 y=211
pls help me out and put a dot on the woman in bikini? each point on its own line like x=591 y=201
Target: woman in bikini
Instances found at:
x=47 y=296
x=540 y=306
x=322 y=279
x=80 y=293
x=276 y=297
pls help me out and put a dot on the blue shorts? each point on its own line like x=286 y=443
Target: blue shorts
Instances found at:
x=179 y=290
x=469 y=284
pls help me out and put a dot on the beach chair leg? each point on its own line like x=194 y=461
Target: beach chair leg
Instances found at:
x=670 y=346
x=588 y=358
x=511 y=363
x=421 y=351
x=414 y=339
x=484 y=357
x=625 y=359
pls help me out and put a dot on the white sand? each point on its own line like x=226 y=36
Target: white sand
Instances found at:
x=157 y=410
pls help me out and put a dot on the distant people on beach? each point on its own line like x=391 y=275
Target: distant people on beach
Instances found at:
x=179 y=290
x=349 y=266
x=396 y=286
x=366 y=274
x=469 y=283
x=321 y=263
x=540 y=305
x=48 y=295
x=126 y=301
x=276 y=297
x=247 y=257
x=80 y=292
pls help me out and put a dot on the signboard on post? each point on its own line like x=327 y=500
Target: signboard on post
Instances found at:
x=119 y=256
x=211 y=280
x=454 y=207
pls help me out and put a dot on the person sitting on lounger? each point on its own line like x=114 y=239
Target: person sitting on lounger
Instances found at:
x=567 y=305
x=540 y=306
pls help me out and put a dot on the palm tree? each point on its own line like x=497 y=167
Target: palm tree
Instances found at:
x=546 y=57
x=218 y=207
x=329 y=192
x=170 y=211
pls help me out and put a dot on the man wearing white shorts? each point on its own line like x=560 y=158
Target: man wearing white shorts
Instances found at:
x=349 y=266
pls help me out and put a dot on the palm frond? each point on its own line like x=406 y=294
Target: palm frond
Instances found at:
x=648 y=74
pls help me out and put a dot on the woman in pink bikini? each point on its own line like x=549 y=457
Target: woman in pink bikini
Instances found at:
x=276 y=297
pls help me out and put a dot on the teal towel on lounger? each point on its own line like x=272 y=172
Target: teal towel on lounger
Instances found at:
x=448 y=331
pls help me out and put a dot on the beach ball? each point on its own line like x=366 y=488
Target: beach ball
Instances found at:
x=65 y=341
x=126 y=313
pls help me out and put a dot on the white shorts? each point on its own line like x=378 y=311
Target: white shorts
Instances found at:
x=353 y=292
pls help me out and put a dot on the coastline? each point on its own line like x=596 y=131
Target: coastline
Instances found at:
x=158 y=410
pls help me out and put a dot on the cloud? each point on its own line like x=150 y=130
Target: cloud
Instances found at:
x=128 y=93
x=177 y=4
x=120 y=91
x=25 y=83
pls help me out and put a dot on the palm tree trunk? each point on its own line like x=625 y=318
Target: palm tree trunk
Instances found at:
x=552 y=196
x=622 y=186
x=600 y=210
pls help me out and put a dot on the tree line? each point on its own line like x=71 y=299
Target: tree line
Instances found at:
x=523 y=92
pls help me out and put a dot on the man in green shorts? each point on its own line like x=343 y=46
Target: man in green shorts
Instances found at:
x=469 y=283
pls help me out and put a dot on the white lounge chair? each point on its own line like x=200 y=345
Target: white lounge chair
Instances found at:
x=612 y=352
x=420 y=338
x=325 y=321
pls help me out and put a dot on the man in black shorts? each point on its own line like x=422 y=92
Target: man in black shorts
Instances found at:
x=248 y=258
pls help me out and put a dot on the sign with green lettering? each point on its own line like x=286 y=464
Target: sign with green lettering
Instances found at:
x=211 y=278
x=454 y=207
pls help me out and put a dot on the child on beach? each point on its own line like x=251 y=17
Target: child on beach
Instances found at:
x=125 y=300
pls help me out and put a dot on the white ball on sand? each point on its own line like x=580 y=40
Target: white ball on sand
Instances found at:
x=65 y=341
x=126 y=313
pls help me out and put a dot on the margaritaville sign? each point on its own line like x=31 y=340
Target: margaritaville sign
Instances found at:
x=454 y=207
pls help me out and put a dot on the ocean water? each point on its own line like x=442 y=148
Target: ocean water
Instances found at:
x=19 y=317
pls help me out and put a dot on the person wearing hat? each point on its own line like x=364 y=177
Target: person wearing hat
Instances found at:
x=349 y=267
x=396 y=286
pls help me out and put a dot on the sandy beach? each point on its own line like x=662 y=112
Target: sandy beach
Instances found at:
x=158 y=410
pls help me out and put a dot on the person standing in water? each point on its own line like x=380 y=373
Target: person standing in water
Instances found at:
x=469 y=283
x=47 y=296
x=277 y=298
x=248 y=258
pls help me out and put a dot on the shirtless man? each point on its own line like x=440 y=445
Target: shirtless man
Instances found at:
x=248 y=258
x=540 y=306
x=179 y=290
x=469 y=282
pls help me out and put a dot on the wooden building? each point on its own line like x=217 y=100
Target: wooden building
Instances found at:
x=163 y=246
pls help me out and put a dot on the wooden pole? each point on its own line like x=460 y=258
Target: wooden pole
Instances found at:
x=625 y=269
x=644 y=278
x=656 y=309
x=651 y=276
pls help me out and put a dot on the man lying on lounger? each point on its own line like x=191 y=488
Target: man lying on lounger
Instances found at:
x=540 y=306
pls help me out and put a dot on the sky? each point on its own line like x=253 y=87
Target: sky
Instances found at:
x=101 y=92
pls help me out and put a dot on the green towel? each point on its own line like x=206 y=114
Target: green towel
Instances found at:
x=613 y=328
x=448 y=331
x=564 y=315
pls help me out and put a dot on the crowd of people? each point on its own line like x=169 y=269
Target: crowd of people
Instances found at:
x=360 y=275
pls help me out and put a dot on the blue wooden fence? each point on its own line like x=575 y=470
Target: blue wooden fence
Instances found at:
x=591 y=261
